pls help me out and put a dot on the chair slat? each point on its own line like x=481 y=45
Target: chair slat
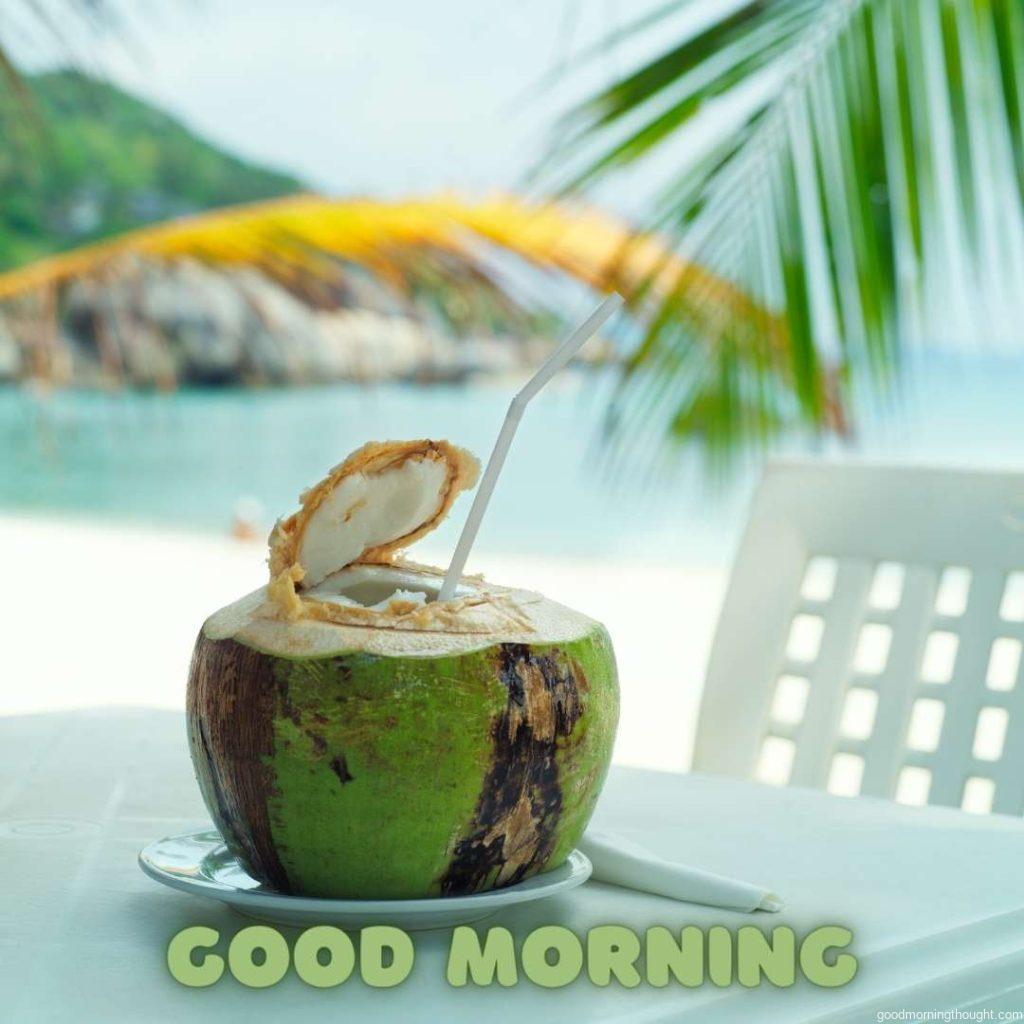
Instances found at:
x=885 y=749
x=828 y=675
x=965 y=695
x=1008 y=773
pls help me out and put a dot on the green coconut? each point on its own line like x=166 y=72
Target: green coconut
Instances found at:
x=355 y=737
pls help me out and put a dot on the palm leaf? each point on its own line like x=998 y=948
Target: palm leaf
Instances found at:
x=454 y=259
x=305 y=239
x=865 y=195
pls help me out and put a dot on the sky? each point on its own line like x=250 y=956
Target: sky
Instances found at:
x=385 y=97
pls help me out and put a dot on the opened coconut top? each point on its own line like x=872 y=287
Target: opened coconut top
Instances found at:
x=337 y=583
x=383 y=497
x=481 y=615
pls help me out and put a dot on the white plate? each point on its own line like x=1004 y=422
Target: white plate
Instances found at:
x=198 y=862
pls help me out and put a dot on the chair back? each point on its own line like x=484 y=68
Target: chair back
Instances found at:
x=870 y=638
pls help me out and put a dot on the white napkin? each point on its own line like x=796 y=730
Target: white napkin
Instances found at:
x=619 y=861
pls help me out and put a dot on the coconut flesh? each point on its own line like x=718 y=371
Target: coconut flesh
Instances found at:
x=354 y=736
x=380 y=499
x=364 y=512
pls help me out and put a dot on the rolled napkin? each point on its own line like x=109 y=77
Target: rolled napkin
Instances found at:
x=618 y=861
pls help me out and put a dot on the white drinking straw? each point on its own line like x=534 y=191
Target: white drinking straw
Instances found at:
x=554 y=363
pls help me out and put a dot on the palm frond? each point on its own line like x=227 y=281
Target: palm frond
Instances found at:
x=304 y=240
x=45 y=27
x=444 y=256
x=855 y=172
x=308 y=239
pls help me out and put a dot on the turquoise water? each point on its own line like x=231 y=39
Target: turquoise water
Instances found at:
x=186 y=459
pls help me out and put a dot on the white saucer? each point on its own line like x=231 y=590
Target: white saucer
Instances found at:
x=198 y=862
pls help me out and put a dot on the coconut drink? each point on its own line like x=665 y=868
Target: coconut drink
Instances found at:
x=354 y=736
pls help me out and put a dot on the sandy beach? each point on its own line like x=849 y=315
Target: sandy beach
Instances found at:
x=107 y=614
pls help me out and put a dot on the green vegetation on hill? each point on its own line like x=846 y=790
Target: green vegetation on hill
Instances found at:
x=87 y=160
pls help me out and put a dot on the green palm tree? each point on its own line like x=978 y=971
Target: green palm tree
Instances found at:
x=854 y=167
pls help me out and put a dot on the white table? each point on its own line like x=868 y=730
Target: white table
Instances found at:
x=935 y=898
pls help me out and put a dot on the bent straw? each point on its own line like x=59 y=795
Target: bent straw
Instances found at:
x=551 y=366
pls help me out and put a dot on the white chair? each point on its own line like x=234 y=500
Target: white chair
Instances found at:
x=870 y=639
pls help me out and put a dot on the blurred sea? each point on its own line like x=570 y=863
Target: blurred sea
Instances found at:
x=185 y=460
